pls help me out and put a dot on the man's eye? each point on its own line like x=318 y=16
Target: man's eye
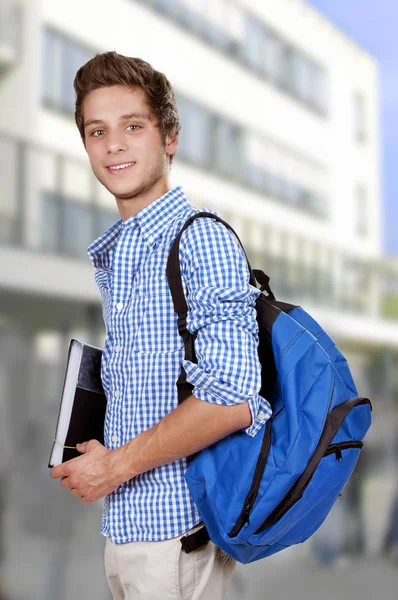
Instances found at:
x=98 y=130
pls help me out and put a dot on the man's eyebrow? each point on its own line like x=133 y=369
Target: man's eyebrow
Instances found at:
x=133 y=115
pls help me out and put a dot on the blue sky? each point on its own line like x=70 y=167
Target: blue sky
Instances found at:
x=374 y=25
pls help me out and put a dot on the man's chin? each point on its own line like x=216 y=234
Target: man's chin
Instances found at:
x=128 y=194
x=123 y=192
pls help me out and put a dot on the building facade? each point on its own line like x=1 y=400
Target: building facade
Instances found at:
x=280 y=135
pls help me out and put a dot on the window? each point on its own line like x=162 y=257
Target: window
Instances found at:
x=318 y=86
x=272 y=58
x=254 y=45
x=286 y=68
x=69 y=227
x=73 y=58
x=359 y=117
x=52 y=60
x=61 y=59
x=228 y=27
x=77 y=228
x=227 y=151
x=301 y=72
x=173 y=8
x=195 y=134
x=212 y=142
x=49 y=223
x=254 y=176
x=103 y=219
x=11 y=25
x=10 y=158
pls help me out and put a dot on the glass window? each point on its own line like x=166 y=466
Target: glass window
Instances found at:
x=253 y=48
x=173 y=8
x=319 y=88
x=253 y=176
x=73 y=58
x=193 y=20
x=217 y=37
x=275 y=185
x=194 y=138
x=51 y=67
x=227 y=152
x=103 y=219
x=49 y=223
x=61 y=60
x=302 y=76
x=286 y=67
x=291 y=193
x=77 y=228
x=273 y=58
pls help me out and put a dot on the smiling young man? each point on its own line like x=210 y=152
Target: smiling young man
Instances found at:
x=128 y=120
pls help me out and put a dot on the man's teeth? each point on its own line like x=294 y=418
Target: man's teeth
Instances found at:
x=122 y=166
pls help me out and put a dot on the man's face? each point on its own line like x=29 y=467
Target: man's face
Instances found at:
x=119 y=139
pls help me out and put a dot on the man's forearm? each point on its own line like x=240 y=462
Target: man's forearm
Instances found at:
x=192 y=426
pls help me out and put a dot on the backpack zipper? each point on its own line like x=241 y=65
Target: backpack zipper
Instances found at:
x=337 y=448
x=258 y=473
x=296 y=492
x=265 y=447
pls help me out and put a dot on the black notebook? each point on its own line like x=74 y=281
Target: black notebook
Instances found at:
x=83 y=403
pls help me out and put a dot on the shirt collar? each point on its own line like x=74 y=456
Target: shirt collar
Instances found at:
x=152 y=220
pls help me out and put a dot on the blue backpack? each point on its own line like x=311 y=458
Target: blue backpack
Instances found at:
x=259 y=495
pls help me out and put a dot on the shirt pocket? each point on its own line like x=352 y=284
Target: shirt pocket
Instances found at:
x=154 y=319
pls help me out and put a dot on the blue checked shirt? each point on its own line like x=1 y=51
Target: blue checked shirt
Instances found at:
x=143 y=351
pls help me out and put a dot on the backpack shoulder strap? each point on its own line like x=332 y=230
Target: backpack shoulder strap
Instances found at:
x=173 y=269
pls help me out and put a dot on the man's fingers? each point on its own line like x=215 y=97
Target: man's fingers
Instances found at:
x=57 y=471
x=61 y=470
x=65 y=482
x=75 y=493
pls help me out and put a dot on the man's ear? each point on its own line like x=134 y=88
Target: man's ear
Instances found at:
x=171 y=143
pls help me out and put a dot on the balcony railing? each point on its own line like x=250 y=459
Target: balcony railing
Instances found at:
x=52 y=203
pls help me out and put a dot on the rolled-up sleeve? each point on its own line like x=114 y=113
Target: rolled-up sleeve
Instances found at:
x=222 y=317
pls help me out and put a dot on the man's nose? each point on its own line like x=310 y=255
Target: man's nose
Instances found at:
x=116 y=142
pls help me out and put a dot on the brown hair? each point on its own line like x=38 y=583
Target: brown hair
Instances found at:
x=111 y=68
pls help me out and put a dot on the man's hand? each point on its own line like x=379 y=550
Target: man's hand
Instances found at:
x=90 y=476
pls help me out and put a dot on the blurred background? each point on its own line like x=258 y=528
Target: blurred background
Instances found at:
x=281 y=134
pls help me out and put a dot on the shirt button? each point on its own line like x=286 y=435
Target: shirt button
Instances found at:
x=117 y=394
x=119 y=305
x=150 y=238
x=115 y=438
x=261 y=415
x=118 y=348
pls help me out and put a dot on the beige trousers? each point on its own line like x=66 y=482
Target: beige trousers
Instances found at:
x=163 y=571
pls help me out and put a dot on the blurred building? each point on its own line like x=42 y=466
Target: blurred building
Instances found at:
x=280 y=135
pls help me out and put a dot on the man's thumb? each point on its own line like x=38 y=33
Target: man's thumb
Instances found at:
x=81 y=447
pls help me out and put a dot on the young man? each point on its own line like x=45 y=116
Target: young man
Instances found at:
x=128 y=120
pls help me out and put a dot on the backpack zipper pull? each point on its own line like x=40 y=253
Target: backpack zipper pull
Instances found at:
x=339 y=456
x=246 y=514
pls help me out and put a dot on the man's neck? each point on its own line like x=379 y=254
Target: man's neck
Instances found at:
x=128 y=208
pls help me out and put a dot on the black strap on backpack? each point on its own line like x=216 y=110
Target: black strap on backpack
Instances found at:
x=173 y=271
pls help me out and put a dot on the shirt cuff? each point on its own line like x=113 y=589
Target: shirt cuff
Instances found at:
x=209 y=389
